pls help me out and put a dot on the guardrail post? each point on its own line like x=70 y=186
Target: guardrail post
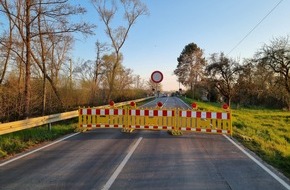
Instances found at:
x=49 y=126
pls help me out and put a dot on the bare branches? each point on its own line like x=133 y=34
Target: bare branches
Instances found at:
x=276 y=57
x=107 y=10
x=224 y=73
x=41 y=28
x=133 y=9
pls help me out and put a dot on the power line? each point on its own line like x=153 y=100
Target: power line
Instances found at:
x=255 y=26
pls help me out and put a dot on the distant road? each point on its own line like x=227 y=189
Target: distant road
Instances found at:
x=168 y=102
x=109 y=159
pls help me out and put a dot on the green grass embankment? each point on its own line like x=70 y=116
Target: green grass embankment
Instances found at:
x=264 y=131
x=19 y=141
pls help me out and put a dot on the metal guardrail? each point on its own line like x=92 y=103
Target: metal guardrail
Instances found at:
x=38 y=121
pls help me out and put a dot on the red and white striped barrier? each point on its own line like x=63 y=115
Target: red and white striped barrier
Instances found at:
x=204 y=115
x=101 y=126
x=156 y=119
x=151 y=127
x=97 y=111
x=220 y=131
x=152 y=113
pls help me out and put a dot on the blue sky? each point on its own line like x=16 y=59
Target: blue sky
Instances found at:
x=156 y=41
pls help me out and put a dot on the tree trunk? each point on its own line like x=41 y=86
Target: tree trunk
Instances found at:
x=27 y=88
x=8 y=47
x=44 y=95
x=113 y=76
x=111 y=87
x=228 y=101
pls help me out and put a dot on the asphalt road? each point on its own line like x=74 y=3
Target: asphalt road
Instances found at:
x=168 y=102
x=109 y=159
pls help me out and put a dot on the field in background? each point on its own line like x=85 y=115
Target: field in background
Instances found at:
x=264 y=131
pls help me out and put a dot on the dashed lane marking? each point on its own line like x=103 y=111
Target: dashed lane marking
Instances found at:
x=121 y=166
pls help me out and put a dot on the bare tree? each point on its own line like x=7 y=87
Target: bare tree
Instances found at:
x=5 y=49
x=107 y=10
x=124 y=79
x=109 y=67
x=276 y=57
x=224 y=72
x=28 y=17
x=138 y=82
x=101 y=48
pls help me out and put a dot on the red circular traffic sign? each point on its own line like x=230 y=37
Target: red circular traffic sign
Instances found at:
x=157 y=76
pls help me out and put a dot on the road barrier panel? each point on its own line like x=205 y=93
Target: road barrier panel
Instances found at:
x=155 y=119
x=101 y=117
x=208 y=122
x=131 y=118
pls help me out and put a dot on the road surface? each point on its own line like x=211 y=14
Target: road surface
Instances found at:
x=109 y=159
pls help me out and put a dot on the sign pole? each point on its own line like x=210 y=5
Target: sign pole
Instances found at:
x=157 y=77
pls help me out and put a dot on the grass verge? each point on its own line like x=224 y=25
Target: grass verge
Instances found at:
x=19 y=141
x=264 y=131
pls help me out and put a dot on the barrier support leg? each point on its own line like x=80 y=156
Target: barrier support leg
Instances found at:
x=175 y=131
x=80 y=128
x=126 y=119
x=231 y=124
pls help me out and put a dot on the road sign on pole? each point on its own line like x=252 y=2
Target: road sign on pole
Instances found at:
x=157 y=76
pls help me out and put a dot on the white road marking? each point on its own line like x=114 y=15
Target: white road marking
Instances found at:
x=184 y=103
x=121 y=166
x=165 y=102
x=281 y=181
x=36 y=150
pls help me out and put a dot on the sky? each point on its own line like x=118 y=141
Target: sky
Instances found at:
x=155 y=41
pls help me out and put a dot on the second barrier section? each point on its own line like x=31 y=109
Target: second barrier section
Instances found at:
x=207 y=122
x=155 y=119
